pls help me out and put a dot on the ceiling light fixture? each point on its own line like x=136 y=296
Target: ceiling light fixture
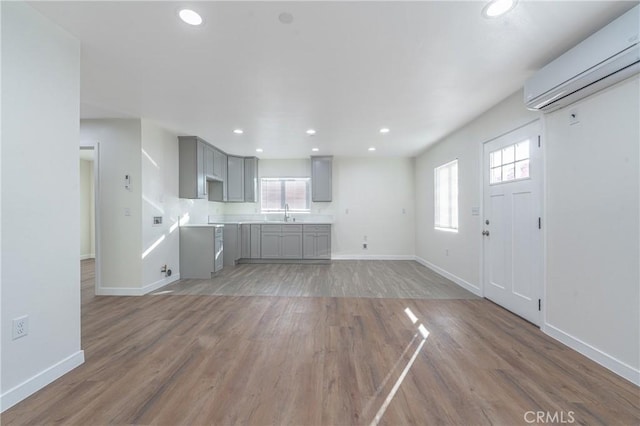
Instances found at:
x=497 y=7
x=315 y=149
x=384 y=130
x=258 y=149
x=311 y=132
x=238 y=131
x=190 y=17
x=372 y=149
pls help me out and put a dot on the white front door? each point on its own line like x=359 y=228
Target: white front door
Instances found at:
x=512 y=235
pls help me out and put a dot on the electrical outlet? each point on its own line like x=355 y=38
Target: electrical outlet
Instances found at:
x=364 y=246
x=20 y=327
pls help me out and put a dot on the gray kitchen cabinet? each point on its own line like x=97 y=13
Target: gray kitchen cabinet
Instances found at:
x=201 y=251
x=218 y=182
x=208 y=162
x=281 y=242
x=192 y=177
x=219 y=164
x=321 y=178
x=316 y=242
x=291 y=246
x=256 y=234
x=251 y=180
x=245 y=241
x=232 y=244
x=270 y=245
x=235 y=178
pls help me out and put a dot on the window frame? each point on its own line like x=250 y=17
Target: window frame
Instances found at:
x=283 y=198
x=453 y=218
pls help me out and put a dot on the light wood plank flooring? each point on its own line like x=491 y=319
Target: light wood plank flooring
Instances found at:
x=262 y=360
x=345 y=278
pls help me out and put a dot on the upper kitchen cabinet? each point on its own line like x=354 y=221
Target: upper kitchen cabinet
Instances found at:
x=235 y=178
x=218 y=188
x=321 y=178
x=251 y=180
x=209 y=171
x=193 y=180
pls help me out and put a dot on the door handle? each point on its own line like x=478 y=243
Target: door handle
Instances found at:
x=485 y=233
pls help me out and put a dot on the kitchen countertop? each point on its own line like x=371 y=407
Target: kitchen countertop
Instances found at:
x=203 y=225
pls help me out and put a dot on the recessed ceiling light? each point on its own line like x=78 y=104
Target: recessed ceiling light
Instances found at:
x=497 y=7
x=190 y=17
x=315 y=149
x=372 y=148
x=384 y=130
x=258 y=149
x=311 y=132
x=238 y=131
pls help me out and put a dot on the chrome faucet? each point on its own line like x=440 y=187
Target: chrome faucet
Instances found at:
x=286 y=213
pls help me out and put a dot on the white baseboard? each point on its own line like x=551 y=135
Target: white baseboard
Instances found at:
x=462 y=283
x=40 y=380
x=160 y=283
x=136 y=291
x=87 y=256
x=372 y=257
x=607 y=361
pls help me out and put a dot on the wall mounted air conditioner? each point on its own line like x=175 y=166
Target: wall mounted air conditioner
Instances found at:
x=608 y=56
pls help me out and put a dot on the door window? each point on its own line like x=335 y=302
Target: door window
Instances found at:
x=509 y=163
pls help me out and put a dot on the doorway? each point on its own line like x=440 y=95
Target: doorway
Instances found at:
x=512 y=222
x=89 y=221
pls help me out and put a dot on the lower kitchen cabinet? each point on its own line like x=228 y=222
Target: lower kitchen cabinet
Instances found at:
x=316 y=242
x=270 y=245
x=255 y=242
x=245 y=241
x=201 y=251
x=232 y=244
x=281 y=242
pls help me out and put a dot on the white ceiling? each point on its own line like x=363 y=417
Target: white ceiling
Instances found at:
x=346 y=69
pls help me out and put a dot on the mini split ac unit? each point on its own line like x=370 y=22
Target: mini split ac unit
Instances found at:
x=605 y=58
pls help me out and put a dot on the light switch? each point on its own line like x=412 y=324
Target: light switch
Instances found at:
x=475 y=211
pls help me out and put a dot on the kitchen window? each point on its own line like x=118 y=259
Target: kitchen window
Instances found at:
x=446 y=197
x=276 y=192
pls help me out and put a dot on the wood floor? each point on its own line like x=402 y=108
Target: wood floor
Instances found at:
x=271 y=360
x=345 y=278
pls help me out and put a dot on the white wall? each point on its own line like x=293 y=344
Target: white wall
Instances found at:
x=373 y=197
x=120 y=152
x=374 y=192
x=593 y=255
x=159 y=198
x=462 y=264
x=87 y=214
x=40 y=201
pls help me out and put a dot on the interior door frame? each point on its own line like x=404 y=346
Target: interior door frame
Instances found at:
x=543 y=213
x=95 y=147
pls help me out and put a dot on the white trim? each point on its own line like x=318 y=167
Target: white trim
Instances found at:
x=462 y=283
x=615 y=365
x=40 y=380
x=160 y=283
x=372 y=257
x=95 y=146
x=137 y=291
x=87 y=256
